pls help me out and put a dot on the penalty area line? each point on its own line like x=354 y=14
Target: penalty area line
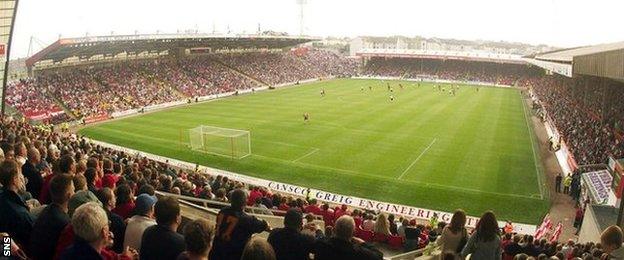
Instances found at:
x=417 y=158
x=306 y=155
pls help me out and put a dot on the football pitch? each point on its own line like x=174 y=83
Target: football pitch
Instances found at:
x=426 y=148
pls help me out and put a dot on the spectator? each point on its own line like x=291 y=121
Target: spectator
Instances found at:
x=67 y=235
x=143 y=219
x=79 y=198
x=91 y=175
x=313 y=207
x=611 y=241
x=65 y=165
x=393 y=225
x=53 y=219
x=260 y=208
x=578 y=219
x=454 y=236
x=368 y=224
x=567 y=181
x=161 y=240
x=117 y=224
x=125 y=201
x=80 y=183
x=484 y=243
x=110 y=178
x=513 y=248
x=90 y=225
x=382 y=226
x=15 y=218
x=32 y=174
x=258 y=249
x=401 y=229
x=343 y=245
x=558 y=180
x=198 y=238
x=412 y=237
x=529 y=248
x=289 y=242
x=234 y=228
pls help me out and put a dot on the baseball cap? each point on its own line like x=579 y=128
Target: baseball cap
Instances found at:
x=144 y=203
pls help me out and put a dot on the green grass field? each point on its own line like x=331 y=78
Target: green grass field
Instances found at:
x=426 y=148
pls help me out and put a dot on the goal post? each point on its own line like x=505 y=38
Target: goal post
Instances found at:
x=220 y=141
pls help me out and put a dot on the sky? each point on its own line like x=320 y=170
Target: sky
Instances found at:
x=562 y=23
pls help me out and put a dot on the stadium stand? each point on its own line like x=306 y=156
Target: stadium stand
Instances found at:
x=489 y=72
x=31 y=101
x=196 y=191
x=587 y=110
x=98 y=91
x=587 y=117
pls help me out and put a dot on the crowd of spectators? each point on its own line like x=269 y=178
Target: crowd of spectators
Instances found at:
x=81 y=93
x=24 y=96
x=136 y=83
x=490 y=72
x=211 y=77
x=107 y=88
x=331 y=63
x=63 y=197
x=585 y=112
x=289 y=67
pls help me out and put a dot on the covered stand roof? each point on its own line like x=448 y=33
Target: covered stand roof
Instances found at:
x=438 y=54
x=86 y=47
x=567 y=55
x=603 y=60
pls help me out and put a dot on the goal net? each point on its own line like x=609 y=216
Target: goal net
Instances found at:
x=227 y=142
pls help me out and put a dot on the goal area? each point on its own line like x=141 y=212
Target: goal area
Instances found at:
x=220 y=141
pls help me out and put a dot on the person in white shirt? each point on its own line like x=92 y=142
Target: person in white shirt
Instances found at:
x=143 y=219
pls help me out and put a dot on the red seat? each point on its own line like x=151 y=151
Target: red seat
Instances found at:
x=378 y=237
x=358 y=232
x=366 y=235
x=395 y=242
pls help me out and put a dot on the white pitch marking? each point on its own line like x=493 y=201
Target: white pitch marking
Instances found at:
x=531 y=135
x=307 y=154
x=418 y=158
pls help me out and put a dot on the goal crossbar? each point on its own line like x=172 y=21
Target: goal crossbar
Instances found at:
x=234 y=143
x=220 y=131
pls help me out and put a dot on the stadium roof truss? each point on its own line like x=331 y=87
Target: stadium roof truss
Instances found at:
x=133 y=45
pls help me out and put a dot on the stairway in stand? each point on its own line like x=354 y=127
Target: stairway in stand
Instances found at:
x=243 y=74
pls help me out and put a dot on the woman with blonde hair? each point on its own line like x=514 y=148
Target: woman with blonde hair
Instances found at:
x=382 y=226
x=454 y=235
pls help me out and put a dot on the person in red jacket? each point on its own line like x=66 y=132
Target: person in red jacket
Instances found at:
x=328 y=215
x=125 y=201
x=254 y=194
x=313 y=208
x=67 y=165
x=110 y=178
